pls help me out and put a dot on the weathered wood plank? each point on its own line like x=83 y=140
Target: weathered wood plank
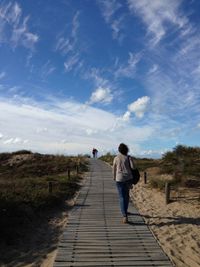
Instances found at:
x=95 y=235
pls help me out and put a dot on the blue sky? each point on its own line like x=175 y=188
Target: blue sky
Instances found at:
x=78 y=74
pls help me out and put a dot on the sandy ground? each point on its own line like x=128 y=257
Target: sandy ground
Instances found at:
x=176 y=225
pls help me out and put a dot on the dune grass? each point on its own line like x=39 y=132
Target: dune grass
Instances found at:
x=24 y=187
x=182 y=163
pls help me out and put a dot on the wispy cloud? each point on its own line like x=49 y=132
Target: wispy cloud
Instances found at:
x=68 y=44
x=153 y=69
x=109 y=12
x=127 y=69
x=2 y=75
x=116 y=27
x=73 y=62
x=156 y=14
x=47 y=69
x=14 y=26
x=96 y=76
x=172 y=95
x=109 y=8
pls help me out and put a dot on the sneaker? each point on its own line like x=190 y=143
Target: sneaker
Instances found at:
x=125 y=219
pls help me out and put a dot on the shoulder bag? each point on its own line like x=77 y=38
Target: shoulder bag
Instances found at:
x=135 y=173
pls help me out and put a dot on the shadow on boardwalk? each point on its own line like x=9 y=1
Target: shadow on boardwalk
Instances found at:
x=95 y=234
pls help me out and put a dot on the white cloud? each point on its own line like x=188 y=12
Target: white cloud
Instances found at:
x=1 y=135
x=126 y=116
x=156 y=13
x=139 y=107
x=14 y=28
x=152 y=153
x=101 y=95
x=105 y=90
x=15 y=140
x=80 y=126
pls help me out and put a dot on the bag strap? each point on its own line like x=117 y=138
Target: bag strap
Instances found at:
x=129 y=163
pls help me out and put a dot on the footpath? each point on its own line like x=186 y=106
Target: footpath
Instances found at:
x=95 y=234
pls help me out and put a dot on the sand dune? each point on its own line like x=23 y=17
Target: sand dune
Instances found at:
x=176 y=225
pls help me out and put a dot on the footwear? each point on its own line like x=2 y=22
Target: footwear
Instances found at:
x=125 y=219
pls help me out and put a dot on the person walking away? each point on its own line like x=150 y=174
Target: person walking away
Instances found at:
x=94 y=152
x=122 y=165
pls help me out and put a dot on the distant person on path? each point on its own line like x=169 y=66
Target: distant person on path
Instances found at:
x=122 y=175
x=94 y=152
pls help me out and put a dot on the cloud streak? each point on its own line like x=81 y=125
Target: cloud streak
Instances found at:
x=14 y=28
x=2 y=75
x=109 y=12
x=128 y=69
x=156 y=14
x=68 y=44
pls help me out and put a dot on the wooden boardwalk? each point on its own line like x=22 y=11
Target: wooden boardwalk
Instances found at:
x=95 y=235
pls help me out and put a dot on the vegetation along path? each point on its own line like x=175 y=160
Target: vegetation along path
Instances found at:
x=95 y=235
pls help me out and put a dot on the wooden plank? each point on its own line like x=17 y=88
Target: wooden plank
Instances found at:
x=95 y=235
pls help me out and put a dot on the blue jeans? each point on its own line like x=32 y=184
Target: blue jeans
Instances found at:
x=123 y=190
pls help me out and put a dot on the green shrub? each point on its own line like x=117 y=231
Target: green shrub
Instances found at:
x=182 y=162
x=157 y=183
x=25 y=182
x=108 y=158
x=144 y=163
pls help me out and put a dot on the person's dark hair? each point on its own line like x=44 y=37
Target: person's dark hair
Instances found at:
x=123 y=149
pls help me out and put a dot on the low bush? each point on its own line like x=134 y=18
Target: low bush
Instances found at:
x=157 y=183
x=108 y=158
x=182 y=163
x=24 y=186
